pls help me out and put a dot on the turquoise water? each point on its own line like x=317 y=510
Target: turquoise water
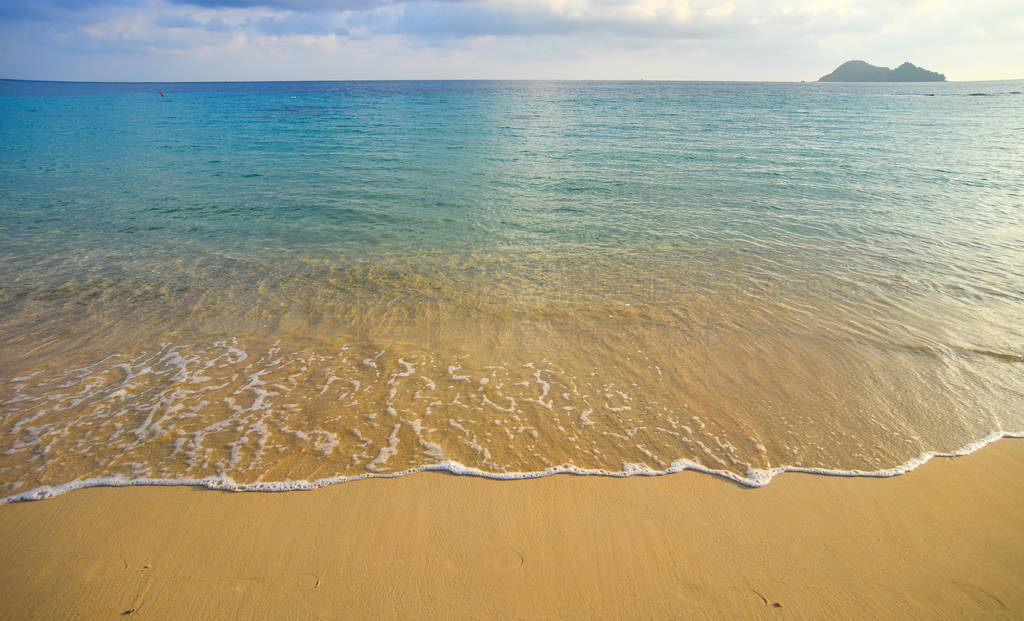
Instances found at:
x=327 y=167
x=809 y=270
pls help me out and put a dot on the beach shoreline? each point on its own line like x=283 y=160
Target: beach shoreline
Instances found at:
x=943 y=541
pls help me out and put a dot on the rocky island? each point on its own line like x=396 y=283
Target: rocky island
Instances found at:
x=860 y=71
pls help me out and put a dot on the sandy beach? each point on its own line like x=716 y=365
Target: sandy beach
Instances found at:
x=944 y=541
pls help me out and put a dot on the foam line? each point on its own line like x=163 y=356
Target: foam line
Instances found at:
x=754 y=478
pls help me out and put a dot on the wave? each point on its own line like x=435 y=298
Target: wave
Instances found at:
x=754 y=478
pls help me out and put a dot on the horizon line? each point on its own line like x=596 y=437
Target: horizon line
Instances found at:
x=3 y=79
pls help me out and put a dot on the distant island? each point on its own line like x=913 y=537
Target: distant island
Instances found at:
x=860 y=71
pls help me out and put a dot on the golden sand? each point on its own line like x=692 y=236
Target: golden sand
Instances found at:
x=944 y=541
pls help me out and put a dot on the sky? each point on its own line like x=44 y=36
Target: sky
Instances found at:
x=783 y=40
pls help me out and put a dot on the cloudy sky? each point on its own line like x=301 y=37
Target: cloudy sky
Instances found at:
x=157 y=40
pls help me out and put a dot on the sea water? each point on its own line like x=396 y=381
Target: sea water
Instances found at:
x=283 y=285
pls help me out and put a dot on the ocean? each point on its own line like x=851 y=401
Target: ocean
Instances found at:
x=285 y=285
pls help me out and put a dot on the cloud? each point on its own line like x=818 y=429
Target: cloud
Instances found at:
x=177 y=21
x=638 y=19
x=299 y=6
x=324 y=39
x=300 y=24
x=216 y=25
x=669 y=20
x=430 y=20
x=52 y=10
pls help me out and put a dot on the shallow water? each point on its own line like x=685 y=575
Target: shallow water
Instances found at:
x=276 y=284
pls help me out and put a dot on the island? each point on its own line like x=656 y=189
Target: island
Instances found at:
x=860 y=71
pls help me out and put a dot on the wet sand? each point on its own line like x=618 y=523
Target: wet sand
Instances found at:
x=944 y=541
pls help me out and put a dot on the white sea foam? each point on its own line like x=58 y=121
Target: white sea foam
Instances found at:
x=753 y=478
x=457 y=378
x=179 y=415
x=386 y=452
